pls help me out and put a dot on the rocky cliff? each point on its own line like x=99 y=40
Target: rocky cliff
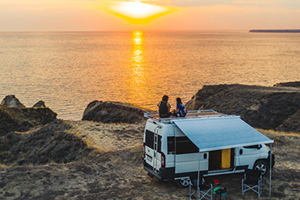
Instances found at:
x=275 y=108
x=14 y=116
x=34 y=135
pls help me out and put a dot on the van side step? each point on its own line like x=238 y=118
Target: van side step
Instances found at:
x=222 y=172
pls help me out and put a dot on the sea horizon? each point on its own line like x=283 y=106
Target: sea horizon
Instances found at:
x=130 y=30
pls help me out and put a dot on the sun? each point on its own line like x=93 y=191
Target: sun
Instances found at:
x=137 y=12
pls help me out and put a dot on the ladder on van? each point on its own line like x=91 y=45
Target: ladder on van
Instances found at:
x=155 y=147
x=155 y=153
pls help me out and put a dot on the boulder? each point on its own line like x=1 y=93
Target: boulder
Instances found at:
x=40 y=104
x=113 y=112
x=12 y=102
x=261 y=107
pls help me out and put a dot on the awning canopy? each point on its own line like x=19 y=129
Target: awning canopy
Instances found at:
x=217 y=133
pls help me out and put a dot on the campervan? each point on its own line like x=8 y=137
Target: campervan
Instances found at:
x=206 y=142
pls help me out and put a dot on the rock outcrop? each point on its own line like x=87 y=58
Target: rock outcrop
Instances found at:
x=288 y=84
x=113 y=112
x=19 y=118
x=12 y=102
x=40 y=104
x=262 y=107
x=292 y=123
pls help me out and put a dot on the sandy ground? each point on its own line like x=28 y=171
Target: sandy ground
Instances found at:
x=109 y=137
x=116 y=170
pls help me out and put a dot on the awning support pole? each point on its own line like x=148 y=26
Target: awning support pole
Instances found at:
x=270 y=184
x=198 y=178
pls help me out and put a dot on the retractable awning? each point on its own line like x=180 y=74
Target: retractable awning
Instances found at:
x=217 y=133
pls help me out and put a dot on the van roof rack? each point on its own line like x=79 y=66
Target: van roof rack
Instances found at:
x=190 y=114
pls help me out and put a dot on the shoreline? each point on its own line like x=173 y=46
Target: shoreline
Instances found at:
x=274 y=31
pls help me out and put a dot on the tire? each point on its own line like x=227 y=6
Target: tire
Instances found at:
x=262 y=166
x=183 y=183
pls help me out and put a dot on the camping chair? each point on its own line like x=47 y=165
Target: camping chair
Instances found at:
x=203 y=191
x=252 y=181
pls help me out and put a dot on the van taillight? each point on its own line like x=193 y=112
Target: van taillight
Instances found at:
x=163 y=160
x=144 y=151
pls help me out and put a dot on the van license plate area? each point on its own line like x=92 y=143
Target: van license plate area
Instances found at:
x=149 y=158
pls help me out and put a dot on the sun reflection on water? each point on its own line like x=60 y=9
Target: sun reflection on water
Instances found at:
x=137 y=58
x=137 y=79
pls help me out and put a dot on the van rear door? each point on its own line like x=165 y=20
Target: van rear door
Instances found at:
x=153 y=149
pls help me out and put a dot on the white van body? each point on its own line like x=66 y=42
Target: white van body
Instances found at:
x=169 y=154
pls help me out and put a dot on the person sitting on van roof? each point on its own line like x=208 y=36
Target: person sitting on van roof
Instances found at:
x=180 y=108
x=164 y=107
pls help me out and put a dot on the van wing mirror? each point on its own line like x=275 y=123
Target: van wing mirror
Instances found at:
x=259 y=146
x=241 y=151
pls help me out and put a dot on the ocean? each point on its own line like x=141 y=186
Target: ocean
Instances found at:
x=68 y=70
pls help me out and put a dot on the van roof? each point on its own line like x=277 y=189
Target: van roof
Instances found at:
x=191 y=114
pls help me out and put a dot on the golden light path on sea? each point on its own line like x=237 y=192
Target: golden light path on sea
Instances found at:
x=137 y=80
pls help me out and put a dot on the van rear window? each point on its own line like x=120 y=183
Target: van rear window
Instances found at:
x=150 y=141
x=183 y=145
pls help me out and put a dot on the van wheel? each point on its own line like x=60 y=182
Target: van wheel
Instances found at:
x=183 y=182
x=261 y=166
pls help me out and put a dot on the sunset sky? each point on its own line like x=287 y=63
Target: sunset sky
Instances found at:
x=105 y=15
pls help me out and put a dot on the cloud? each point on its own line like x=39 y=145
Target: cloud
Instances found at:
x=192 y=3
x=292 y=4
x=252 y=2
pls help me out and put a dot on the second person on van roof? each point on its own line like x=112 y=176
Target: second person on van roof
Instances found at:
x=180 y=108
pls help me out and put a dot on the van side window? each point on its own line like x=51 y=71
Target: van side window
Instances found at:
x=171 y=146
x=150 y=141
x=253 y=147
x=183 y=145
x=159 y=144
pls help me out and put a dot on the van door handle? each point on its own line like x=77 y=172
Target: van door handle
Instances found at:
x=241 y=151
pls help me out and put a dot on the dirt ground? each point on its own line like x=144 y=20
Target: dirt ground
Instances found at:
x=116 y=171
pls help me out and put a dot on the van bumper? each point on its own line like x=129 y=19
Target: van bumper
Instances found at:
x=162 y=174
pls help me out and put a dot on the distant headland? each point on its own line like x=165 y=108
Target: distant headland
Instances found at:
x=275 y=30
